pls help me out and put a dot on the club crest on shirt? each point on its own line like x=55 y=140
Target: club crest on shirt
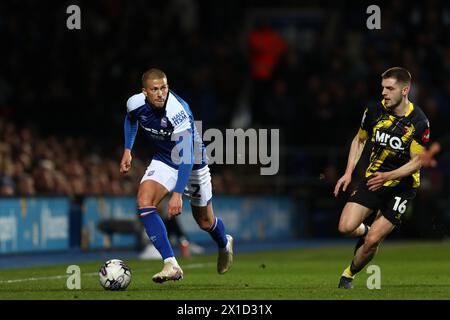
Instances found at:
x=406 y=130
x=426 y=136
x=164 y=122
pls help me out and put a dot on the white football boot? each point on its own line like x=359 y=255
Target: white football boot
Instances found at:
x=225 y=258
x=169 y=272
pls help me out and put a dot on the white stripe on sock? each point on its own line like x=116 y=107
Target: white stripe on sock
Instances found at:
x=143 y=214
x=213 y=226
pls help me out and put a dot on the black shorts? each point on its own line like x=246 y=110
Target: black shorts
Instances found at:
x=393 y=202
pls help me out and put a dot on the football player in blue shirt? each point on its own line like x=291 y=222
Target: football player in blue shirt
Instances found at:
x=179 y=165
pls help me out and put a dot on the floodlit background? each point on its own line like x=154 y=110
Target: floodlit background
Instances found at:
x=306 y=68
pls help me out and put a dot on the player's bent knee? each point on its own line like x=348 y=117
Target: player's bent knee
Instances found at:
x=345 y=229
x=143 y=202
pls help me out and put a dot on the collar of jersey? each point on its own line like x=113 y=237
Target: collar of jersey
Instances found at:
x=159 y=111
x=411 y=108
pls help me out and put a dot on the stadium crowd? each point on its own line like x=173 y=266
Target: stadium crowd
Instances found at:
x=57 y=84
x=34 y=165
x=31 y=164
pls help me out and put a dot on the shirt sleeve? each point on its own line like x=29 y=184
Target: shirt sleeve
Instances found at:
x=421 y=137
x=369 y=117
x=366 y=125
x=131 y=124
x=130 y=131
x=185 y=148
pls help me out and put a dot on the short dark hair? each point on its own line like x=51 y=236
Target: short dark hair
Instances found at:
x=399 y=74
x=152 y=74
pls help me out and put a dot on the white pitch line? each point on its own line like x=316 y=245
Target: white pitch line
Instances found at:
x=197 y=265
x=34 y=279
x=188 y=266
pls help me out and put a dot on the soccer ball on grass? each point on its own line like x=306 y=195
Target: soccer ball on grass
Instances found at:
x=115 y=275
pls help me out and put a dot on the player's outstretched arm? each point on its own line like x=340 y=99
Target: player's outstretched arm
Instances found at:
x=130 y=130
x=185 y=150
x=428 y=155
x=356 y=150
x=378 y=179
x=175 y=204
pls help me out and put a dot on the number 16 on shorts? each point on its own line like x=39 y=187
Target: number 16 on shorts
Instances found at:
x=399 y=205
x=399 y=208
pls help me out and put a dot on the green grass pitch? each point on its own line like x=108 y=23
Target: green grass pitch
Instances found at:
x=409 y=270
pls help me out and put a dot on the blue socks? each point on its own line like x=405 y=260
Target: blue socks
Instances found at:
x=156 y=231
x=217 y=232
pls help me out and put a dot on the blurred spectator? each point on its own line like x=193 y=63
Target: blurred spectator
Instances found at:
x=25 y=185
x=43 y=176
x=7 y=186
x=265 y=47
x=62 y=185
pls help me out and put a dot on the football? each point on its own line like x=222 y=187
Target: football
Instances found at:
x=115 y=275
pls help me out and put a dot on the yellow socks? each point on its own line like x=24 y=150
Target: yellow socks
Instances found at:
x=347 y=273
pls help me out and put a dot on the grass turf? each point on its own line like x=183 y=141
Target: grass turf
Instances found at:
x=413 y=270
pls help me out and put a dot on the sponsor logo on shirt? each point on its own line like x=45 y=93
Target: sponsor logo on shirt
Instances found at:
x=158 y=133
x=179 y=118
x=385 y=139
